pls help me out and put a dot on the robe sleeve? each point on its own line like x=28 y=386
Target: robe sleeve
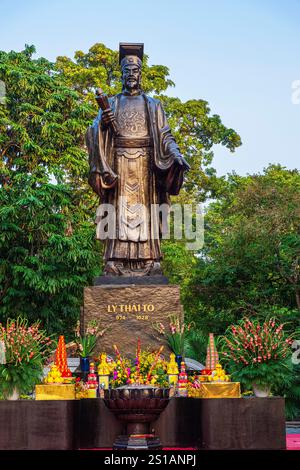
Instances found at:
x=171 y=172
x=99 y=144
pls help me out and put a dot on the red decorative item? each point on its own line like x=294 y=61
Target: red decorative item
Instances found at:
x=182 y=382
x=92 y=378
x=61 y=360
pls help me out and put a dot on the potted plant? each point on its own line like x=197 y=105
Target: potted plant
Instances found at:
x=25 y=350
x=256 y=354
x=86 y=342
x=175 y=335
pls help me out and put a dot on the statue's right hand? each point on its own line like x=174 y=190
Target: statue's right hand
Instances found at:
x=107 y=117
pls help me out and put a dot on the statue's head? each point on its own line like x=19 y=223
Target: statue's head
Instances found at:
x=131 y=56
x=131 y=73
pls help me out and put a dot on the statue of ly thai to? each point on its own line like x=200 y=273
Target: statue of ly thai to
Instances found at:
x=135 y=164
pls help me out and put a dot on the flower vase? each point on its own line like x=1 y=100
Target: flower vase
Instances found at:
x=261 y=391
x=178 y=359
x=84 y=364
x=14 y=395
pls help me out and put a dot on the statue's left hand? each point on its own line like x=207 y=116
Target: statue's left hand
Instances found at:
x=181 y=161
x=96 y=184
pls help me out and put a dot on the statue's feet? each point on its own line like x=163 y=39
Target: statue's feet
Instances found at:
x=156 y=269
x=132 y=268
x=112 y=268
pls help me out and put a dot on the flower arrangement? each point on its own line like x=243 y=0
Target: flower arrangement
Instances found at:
x=81 y=389
x=148 y=368
x=26 y=349
x=256 y=353
x=86 y=343
x=176 y=333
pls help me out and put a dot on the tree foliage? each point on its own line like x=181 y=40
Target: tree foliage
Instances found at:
x=250 y=260
x=47 y=252
x=42 y=122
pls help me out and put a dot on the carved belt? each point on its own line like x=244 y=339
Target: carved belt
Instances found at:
x=138 y=142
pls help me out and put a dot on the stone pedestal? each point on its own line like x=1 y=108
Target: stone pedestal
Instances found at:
x=129 y=312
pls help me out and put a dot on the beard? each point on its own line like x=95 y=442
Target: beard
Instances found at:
x=132 y=84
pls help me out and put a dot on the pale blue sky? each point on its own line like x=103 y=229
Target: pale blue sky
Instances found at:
x=240 y=55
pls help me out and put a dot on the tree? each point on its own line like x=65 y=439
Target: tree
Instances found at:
x=47 y=253
x=250 y=261
x=46 y=242
x=42 y=122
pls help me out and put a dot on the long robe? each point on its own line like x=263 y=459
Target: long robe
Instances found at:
x=162 y=177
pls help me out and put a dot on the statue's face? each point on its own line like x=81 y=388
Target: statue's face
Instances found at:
x=131 y=77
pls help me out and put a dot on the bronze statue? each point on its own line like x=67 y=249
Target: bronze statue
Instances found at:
x=134 y=164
